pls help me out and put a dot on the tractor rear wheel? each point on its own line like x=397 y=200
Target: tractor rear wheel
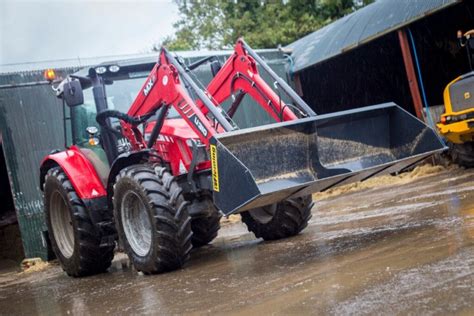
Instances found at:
x=74 y=239
x=280 y=220
x=462 y=154
x=152 y=218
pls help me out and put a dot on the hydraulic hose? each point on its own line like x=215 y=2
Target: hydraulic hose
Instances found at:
x=104 y=115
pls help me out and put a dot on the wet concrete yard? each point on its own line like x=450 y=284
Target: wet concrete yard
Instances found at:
x=398 y=249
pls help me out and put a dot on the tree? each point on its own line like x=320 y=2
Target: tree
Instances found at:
x=216 y=24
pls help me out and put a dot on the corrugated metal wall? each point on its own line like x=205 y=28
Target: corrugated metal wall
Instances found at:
x=31 y=124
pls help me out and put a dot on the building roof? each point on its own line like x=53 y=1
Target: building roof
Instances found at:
x=360 y=27
x=92 y=61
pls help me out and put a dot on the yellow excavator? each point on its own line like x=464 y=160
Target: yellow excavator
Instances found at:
x=457 y=122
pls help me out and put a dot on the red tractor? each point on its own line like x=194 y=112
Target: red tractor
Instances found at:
x=159 y=173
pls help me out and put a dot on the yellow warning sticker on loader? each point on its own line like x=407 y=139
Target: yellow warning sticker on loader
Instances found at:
x=215 y=169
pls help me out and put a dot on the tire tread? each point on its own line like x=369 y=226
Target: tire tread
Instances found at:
x=90 y=257
x=290 y=219
x=172 y=237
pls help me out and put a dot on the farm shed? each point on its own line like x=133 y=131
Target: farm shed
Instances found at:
x=404 y=51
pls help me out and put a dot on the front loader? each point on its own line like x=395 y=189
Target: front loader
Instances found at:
x=162 y=174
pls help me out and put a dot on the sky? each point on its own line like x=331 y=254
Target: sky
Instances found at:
x=43 y=30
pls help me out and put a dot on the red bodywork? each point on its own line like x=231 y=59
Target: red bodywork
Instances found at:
x=163 y=86
x=173 y=147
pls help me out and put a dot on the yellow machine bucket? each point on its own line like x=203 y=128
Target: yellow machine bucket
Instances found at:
x=267 y=164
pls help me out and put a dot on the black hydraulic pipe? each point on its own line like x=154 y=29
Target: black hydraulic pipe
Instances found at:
x=288 y=90
x=201 y=95
x=103 y=116
x=200 y=62
x=158 y=125
x=235 y=105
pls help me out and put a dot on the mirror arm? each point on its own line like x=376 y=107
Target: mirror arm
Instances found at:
x=85 y=82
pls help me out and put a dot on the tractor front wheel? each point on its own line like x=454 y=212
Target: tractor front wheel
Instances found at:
x=205 y=228
x=280 y=220
x=74 y=239
x=205 y=222
x=152 y=218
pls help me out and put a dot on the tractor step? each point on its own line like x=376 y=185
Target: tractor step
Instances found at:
x=264 y=165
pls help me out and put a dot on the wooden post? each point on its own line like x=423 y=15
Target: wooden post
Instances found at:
x=411 y=74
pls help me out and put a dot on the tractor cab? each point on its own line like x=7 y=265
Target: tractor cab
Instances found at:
x=114 y=86
x=87 y=93
x=91 y=91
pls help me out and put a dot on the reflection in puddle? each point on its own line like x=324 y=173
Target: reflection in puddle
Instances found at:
x=402 y=249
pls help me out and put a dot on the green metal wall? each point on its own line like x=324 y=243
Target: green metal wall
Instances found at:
x=31 y=126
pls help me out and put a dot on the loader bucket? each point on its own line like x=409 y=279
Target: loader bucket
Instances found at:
x=264 y=165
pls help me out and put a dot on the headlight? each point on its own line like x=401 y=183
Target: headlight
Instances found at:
x=114 y=68
x=100 y=70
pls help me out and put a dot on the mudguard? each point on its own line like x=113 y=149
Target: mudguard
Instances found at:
x=79 y=170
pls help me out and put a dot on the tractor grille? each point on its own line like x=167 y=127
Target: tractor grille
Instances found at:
x=462 y=94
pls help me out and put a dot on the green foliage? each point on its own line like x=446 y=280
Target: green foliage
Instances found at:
x=216 y=24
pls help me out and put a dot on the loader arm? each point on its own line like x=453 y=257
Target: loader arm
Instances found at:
x=240 y=73
x=167 y=86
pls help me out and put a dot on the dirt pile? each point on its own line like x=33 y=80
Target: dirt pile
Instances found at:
x=385 y=180
x=232 y=219
x=33 y=265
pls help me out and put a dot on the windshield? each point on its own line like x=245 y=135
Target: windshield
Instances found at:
x=120 y=96
x=122 y=93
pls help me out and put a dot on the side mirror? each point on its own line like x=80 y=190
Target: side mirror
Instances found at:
x=72 y=93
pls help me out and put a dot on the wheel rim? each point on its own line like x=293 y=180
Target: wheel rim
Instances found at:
x=61 y=223
x=136 y=223
x=264 y=214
